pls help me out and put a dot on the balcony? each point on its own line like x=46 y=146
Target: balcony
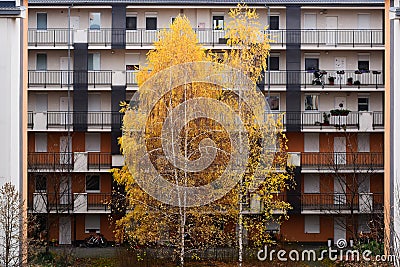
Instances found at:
x=378 y=119
x=92 y=202
x=94 y=119
x=342 y=202
x=44 y=202
x=209 y=37
x=99 y=160
x=61 y=78
x=337 y=161
x=317 y=119
x=68 y=162
x=60 y=161
x=30 y=120
x=49 y=37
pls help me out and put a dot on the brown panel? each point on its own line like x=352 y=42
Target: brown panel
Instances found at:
x=295 y=142
x=293 y=229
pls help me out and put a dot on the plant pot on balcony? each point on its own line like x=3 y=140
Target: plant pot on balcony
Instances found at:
x=331 y=80
x=350 y=81
x=340 y=112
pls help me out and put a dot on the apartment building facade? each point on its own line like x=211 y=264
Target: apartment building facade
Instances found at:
x=326 y=55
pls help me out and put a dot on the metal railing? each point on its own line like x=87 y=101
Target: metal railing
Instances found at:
x=99 y=119
x=100 y=77
x=131 y=77
x=50 y=160
x=360 y=202
x=207 y=36
x=321 y=119
x=377 y=119
x=49 y=37
x=30 y=119
x=49 y=78
x=51 y=202
x=99 y=160
x=98 y=201
x=342 y=160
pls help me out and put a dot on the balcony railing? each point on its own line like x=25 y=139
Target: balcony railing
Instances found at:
x=318 y=119
x=378 y=119
x=56 y=78
x=342 y=160
x=30 y=119
x=59 y=78
x=211 y=37
x=49 y=37
x=98 y=201
x=99 y=160
x=131 y=77
x=44 y=202
x=356 y=202
x=60 y=161
x=100 y=119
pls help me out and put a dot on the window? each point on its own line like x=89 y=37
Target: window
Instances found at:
x=310 y=21
x=363 y=142
x=41 y=62
x=40 y=183
x=94 y=20
x=363 y=224
x=131 y=67
x=218 y=22
x=311 y=183
x=311 y=102
x=40 y=142
x=274 y=22
x=94 y=61
x=131 y=23
x=363 y=103
x=273 y=63
x=311 y=142
x=41 y=21
x=312 y=64
x=363 y=62
x=311 y=224
x=363 y=65
x=93 y=183
x=92 y=223
x=151 y=23
x=172 y=20
x=273 y=102
x=92 y=142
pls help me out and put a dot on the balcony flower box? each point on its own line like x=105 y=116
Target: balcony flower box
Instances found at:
x=340 y=112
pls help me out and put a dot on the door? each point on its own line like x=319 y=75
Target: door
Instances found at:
x=364 y=193
x=65 y=193
x=339 y=148
x=64 y=70
x=339 y=229
x=331 y=30
x=65 y=148
x=64 y=224
x=41 y=103
x=339 y=189
x=64 y=111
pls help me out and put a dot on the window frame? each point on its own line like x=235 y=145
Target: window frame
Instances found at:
x=98 y=221
x=363 y=104
x=156 y=23
x=308 y=59
x=90 y=21
x=278 y=22
x=91 y=176
x=271 y=98
x=316 y=102
x=216 y=22
x=40 y=190
x=45 y=61
x=126 y=23
x=309 y=223
x=44 y=28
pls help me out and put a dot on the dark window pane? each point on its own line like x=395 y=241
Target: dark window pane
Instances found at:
x=218 y=22
x=41 y=62
x=363 y=103
x=132 y=67
x=131 y=23
x=41 y=23
x=151 y=24
x=363 y=65
x=274 y=63
x=40 y=183
x=312 y=64
x=274 y=23
x=273 y=102
x=93 y=183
